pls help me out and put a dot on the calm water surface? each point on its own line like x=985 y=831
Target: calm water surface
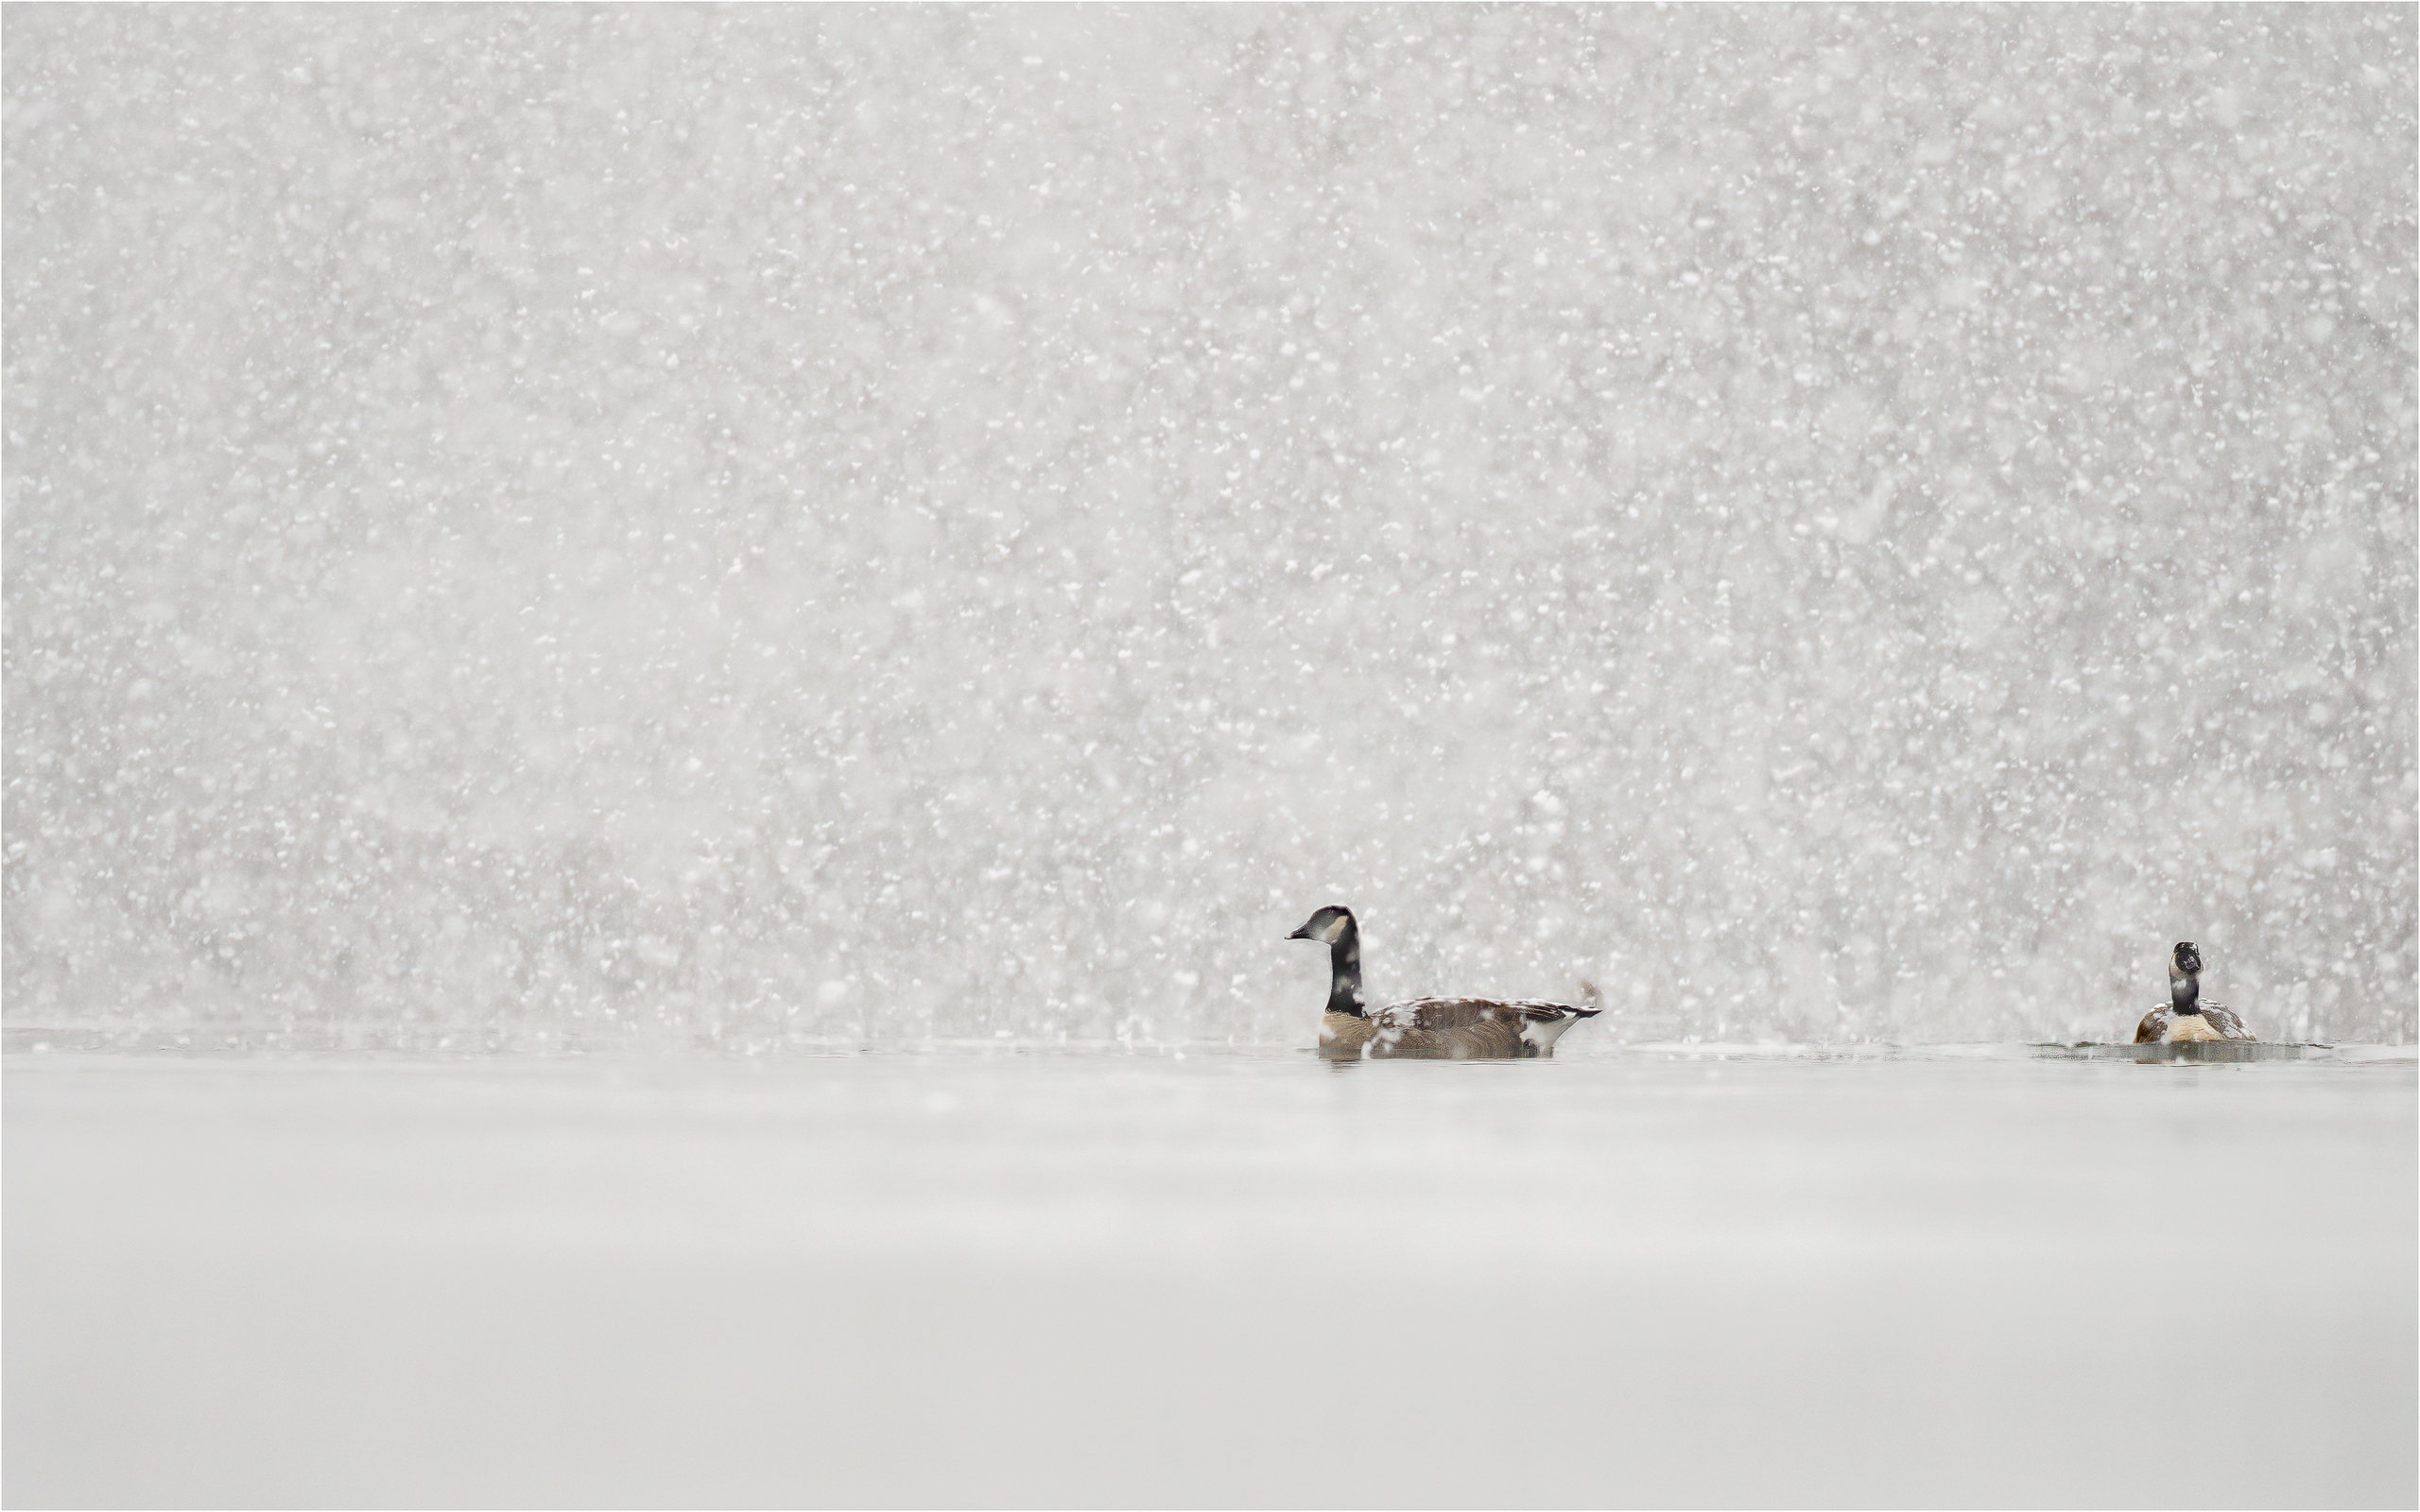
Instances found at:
x=998 y=1275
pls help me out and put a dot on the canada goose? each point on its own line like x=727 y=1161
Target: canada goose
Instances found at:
x=1429 y=1028
x=2186 y=1017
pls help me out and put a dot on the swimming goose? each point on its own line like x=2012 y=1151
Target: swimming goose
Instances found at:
x=2186 y=1017
x=1427 y=1028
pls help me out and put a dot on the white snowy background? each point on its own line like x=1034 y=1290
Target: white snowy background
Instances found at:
x=670 y=527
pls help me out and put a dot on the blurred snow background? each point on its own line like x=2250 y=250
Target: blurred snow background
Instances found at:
x=528 y=526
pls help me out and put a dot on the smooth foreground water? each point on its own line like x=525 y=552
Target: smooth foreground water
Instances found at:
x=991 y=1276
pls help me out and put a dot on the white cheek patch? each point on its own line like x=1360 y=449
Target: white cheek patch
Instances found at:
x=1334 y=931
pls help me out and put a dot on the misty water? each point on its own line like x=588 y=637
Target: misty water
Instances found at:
x=670 y=675
x=1030 y=1276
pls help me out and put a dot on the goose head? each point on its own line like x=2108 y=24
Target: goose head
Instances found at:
x=2185 y=977
x=1332 y=925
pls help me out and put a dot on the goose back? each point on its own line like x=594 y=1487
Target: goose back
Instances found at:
x=1462 y=1029
x=2165 y=1026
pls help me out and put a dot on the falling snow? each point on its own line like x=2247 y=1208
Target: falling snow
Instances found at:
x=673 y=526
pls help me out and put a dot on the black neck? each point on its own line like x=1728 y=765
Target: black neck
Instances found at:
x=2184 y=992
x=1344 y=973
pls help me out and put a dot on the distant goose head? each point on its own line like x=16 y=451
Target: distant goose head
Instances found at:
x=1333 y=927
x=2185 y=977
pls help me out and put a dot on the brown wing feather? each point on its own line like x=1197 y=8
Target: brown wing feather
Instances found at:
x=1455 y=1013
x=2224 y=1020
x=1436 y=1013
x=2152 y=1029
x=1459 y=1028
x=1494 y=1039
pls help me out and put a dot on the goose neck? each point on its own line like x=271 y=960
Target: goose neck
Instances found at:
x=2183 y=990
x=1344 y=974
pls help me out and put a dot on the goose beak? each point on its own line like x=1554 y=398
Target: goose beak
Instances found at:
x=1304 y=933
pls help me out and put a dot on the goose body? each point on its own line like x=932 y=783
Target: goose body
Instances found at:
x=2186 y=1017
x=1424 y=1028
